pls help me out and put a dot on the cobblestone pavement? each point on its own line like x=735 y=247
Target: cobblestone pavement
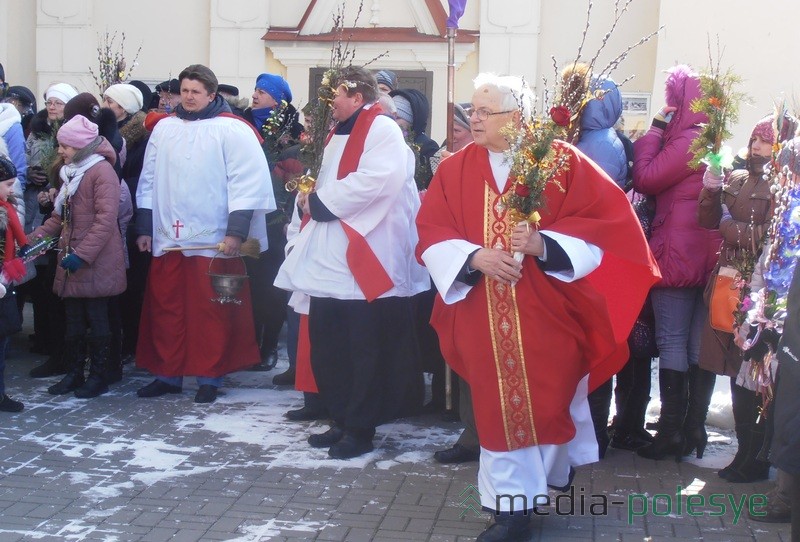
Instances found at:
x=120 y=468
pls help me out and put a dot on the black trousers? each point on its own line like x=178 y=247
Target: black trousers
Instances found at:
x=469 y=436
x=365 y=360
x=131 y=300
x=430 y=354
x=87 y=312
x=269 y=301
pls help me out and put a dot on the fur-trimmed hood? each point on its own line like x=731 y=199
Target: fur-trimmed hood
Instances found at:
x=8 y=117
x=681 y=89
x=39 y=126
x=133 y=129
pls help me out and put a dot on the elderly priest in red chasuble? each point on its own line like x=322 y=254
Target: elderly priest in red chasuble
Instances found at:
x=533 y=337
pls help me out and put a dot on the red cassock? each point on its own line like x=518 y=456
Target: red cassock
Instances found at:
x=523 y=349
x=182 y=331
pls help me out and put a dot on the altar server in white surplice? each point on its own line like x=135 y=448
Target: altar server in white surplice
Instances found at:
x=354 y=257
x=205 y=180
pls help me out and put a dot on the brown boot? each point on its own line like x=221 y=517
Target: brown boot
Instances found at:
x=777 y=510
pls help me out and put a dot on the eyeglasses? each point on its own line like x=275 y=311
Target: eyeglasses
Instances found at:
x=54 y=103
x=483 y=113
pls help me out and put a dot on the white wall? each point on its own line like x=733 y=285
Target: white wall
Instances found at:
x=47 y=40
x=759 y=41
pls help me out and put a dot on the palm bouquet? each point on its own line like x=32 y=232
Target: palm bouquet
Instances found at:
x=318 y=113
x=720 y=102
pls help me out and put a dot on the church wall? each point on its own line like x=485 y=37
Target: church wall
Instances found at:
x=759 y=43
x=43 y=41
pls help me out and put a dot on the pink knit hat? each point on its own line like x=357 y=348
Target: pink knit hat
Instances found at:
x=765 y=129
x=78 y=132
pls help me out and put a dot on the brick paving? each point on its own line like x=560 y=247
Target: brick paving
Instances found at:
x=119 y=468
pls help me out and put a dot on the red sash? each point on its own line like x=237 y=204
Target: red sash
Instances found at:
x=304 y=376
x=370 y=275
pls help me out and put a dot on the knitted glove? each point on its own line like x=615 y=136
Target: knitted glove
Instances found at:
x=711 y=180
x=663 y=117
x=72 y=263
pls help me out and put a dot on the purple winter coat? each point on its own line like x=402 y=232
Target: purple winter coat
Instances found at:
x=92 y=234
x=686 y=252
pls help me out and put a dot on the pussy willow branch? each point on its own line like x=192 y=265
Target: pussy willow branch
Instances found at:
x=585 y=32
x=618 y=13
x=614 y=64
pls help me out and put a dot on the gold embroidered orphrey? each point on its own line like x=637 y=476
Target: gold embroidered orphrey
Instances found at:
x=509 y=357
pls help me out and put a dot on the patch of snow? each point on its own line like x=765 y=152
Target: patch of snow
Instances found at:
x=274 y=527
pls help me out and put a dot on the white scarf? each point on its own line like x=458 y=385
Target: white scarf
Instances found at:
x=71 y=175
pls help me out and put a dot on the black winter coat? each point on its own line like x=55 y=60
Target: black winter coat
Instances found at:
x=785 y=452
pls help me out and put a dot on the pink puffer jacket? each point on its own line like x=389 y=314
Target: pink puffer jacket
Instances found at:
x=92 y=234
x=686 y=252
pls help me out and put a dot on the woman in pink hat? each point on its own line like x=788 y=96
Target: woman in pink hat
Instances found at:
x=91 y=265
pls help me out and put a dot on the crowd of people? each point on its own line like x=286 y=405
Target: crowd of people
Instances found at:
x=404 y=258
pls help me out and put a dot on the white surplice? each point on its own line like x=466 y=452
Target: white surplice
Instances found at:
x=213 y=166
x=380 y=201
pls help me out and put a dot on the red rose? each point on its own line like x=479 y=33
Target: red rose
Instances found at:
x=560 y=115
x=522 y=190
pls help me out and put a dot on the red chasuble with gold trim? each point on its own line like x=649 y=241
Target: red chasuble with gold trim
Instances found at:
x=523 y=349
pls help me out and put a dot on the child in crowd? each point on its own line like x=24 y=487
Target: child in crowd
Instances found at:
x=91 y=261
x=10 y=231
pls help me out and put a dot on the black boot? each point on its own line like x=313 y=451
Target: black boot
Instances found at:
x=74 y=360
x=701 y=387
x=743 y=420
x=354 y=443
x=95 y=385
x=286 y=378
x=669 y=439
x=53 y=366
x=751 y=469
x=746 y=467
x=630 y=433
x=508 y=527
x=599 y=405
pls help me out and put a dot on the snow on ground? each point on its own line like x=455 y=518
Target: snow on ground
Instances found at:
x=257 y=533
x=249 y=414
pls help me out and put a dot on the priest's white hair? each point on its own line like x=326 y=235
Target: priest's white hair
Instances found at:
x=515 y=92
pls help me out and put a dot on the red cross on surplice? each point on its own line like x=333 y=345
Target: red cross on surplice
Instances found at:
x=178 y=227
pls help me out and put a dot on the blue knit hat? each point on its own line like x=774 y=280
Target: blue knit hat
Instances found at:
x=388 y=78
x=274 y=85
